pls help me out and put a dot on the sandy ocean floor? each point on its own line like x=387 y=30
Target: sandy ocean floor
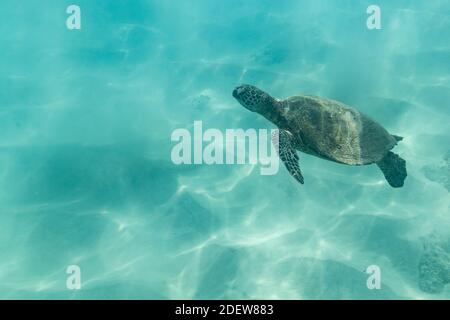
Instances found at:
x=86 y=176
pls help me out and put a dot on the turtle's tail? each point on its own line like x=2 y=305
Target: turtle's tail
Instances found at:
x=398 y=138
x=394 y=169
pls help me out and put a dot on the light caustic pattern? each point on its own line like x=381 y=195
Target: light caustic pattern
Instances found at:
x=86 y=177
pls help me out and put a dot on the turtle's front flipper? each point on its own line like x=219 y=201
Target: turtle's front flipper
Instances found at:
x=283 y=143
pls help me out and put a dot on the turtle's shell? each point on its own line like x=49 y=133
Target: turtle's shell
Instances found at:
x=334 y=131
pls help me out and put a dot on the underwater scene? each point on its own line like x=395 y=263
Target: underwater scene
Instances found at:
x=115 y=180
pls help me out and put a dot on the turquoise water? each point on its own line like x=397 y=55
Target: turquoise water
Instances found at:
x=86 y=176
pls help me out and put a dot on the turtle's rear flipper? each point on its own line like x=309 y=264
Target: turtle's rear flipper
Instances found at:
x=394 y=169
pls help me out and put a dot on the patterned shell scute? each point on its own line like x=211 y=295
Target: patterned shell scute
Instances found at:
x=334 y=131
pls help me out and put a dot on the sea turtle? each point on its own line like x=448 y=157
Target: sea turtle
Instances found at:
x=327 y=129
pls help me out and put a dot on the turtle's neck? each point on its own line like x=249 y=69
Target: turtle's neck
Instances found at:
x=274 y=112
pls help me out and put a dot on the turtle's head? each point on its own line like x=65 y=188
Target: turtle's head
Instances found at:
x=253 y=98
